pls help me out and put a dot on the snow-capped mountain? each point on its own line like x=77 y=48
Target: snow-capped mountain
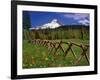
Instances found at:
x=52 y=25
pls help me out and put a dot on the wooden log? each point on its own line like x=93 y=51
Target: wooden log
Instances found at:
x=68 y=49
x=57 y=47
x=73 y=53
x=84 y=48
x=52 y=47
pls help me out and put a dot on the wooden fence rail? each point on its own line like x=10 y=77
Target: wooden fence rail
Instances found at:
x=53 y=47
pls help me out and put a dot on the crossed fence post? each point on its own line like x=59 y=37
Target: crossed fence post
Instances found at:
x=84 y=53
x=58 y=45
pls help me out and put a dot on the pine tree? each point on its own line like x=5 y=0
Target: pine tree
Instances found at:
x=26 y=20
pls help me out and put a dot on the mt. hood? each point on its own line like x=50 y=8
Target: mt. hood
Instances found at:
x=52 y=25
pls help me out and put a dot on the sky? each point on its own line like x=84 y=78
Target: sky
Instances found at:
x=38 y=18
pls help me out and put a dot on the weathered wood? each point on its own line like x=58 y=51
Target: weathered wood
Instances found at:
x=53 y=47
x=79 y=59
x=57 y=47
x=82 y=55
x=87 y=58
x=68 y=49
x=73 y=53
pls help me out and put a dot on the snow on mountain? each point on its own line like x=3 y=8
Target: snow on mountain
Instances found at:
x=52 y=25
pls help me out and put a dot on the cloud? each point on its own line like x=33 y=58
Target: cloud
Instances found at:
x=82 y=18
x=77 y=16
x=84 y=22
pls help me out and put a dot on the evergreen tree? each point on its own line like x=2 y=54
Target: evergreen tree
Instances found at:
x=26 y=20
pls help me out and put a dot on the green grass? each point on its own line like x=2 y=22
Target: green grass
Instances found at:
x=35 y=56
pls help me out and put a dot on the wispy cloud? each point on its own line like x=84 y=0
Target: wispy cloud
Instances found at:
x=84 y=22
x=81 y=18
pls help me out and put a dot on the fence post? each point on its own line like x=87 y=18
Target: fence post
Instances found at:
x=52 y=47
x=66 y=52
x=82 y=54
x=73 y=53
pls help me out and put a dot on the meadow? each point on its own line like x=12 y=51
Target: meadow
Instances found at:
x=37 y=56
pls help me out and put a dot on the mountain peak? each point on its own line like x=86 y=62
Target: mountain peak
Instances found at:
x=54 y=20
x=52 y=25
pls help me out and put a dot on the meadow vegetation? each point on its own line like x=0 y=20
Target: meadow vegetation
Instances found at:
x=36 y=56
